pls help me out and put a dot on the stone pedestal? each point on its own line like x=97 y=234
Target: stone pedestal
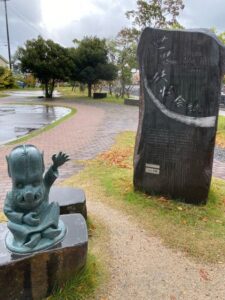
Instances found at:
x=70 y=200
x=33 y=277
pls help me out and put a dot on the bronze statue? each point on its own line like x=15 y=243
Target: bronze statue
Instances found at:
x=33 y=222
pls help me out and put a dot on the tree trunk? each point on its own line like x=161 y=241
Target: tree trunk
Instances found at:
x=122 y=89
x=110 y=89
x=52 y=86
x=49 y=89
x=46 y=90
x=74 y=87
x=89 y=89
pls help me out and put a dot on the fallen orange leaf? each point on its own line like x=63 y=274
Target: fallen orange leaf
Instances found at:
x=204 y=274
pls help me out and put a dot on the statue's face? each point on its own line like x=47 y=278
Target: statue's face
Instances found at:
x=26 y=170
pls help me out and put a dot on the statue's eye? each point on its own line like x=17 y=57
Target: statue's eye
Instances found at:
x=36 y=183
x=19 y=185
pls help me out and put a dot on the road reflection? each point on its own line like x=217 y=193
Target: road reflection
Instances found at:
x=19 y=120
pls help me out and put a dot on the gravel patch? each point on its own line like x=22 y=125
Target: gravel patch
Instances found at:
x=142 y=268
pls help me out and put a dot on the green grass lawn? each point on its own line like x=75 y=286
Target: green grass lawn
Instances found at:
x=85 y=284
x=81 y=286
x=196 y=230
x=3 y=95
x=76 y=94
x=220 y=139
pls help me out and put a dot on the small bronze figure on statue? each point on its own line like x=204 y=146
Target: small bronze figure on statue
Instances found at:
x=33 y=222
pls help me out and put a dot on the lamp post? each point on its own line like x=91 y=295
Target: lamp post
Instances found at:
x=7 y=31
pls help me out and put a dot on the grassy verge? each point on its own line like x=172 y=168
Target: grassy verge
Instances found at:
x=75 y=94
x=78 y=95
x=220 y=138
x=196 y=230
x=2 y=95
x=43 y=129
x=81 y=286
x=87 y=282
x=93 y=276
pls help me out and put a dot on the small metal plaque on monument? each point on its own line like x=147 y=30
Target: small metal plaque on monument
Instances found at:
x=181 y=74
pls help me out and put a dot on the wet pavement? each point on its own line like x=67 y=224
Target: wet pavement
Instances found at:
x=90 y=131
x=32 y=93
x=19 y=120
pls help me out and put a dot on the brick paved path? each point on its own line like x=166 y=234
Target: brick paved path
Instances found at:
x=90 y=131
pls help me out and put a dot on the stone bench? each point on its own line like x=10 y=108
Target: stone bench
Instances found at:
x=99 y=95
x=71 y=200
x=34 y=276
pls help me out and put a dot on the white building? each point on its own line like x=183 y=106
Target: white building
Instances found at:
x=3 y=62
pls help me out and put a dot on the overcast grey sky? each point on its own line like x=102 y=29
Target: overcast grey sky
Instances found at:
x=65 y=20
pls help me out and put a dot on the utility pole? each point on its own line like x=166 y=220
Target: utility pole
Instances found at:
x=7 y=30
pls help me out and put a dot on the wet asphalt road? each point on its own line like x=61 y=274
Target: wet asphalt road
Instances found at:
x=19 y=120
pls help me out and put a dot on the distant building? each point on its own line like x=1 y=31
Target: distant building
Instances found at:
x=3 y=62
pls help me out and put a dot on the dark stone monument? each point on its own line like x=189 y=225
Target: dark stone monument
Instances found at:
x=71 y=200
x=181 y=74
x=34 y=276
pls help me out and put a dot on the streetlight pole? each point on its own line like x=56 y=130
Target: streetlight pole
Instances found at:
x=7 y=30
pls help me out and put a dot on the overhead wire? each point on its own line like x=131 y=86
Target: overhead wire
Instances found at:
x=30 y=25
x=26 y=21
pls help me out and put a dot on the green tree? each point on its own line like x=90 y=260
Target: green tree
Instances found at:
x=221 y=37
x=6 y=78
x=2 y=70
x=30 y=80
x=91 y=62
x=154 y=13
x=47 y=61
x=123 y=53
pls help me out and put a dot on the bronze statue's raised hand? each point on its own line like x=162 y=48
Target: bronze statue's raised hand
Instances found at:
x=59 y=160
